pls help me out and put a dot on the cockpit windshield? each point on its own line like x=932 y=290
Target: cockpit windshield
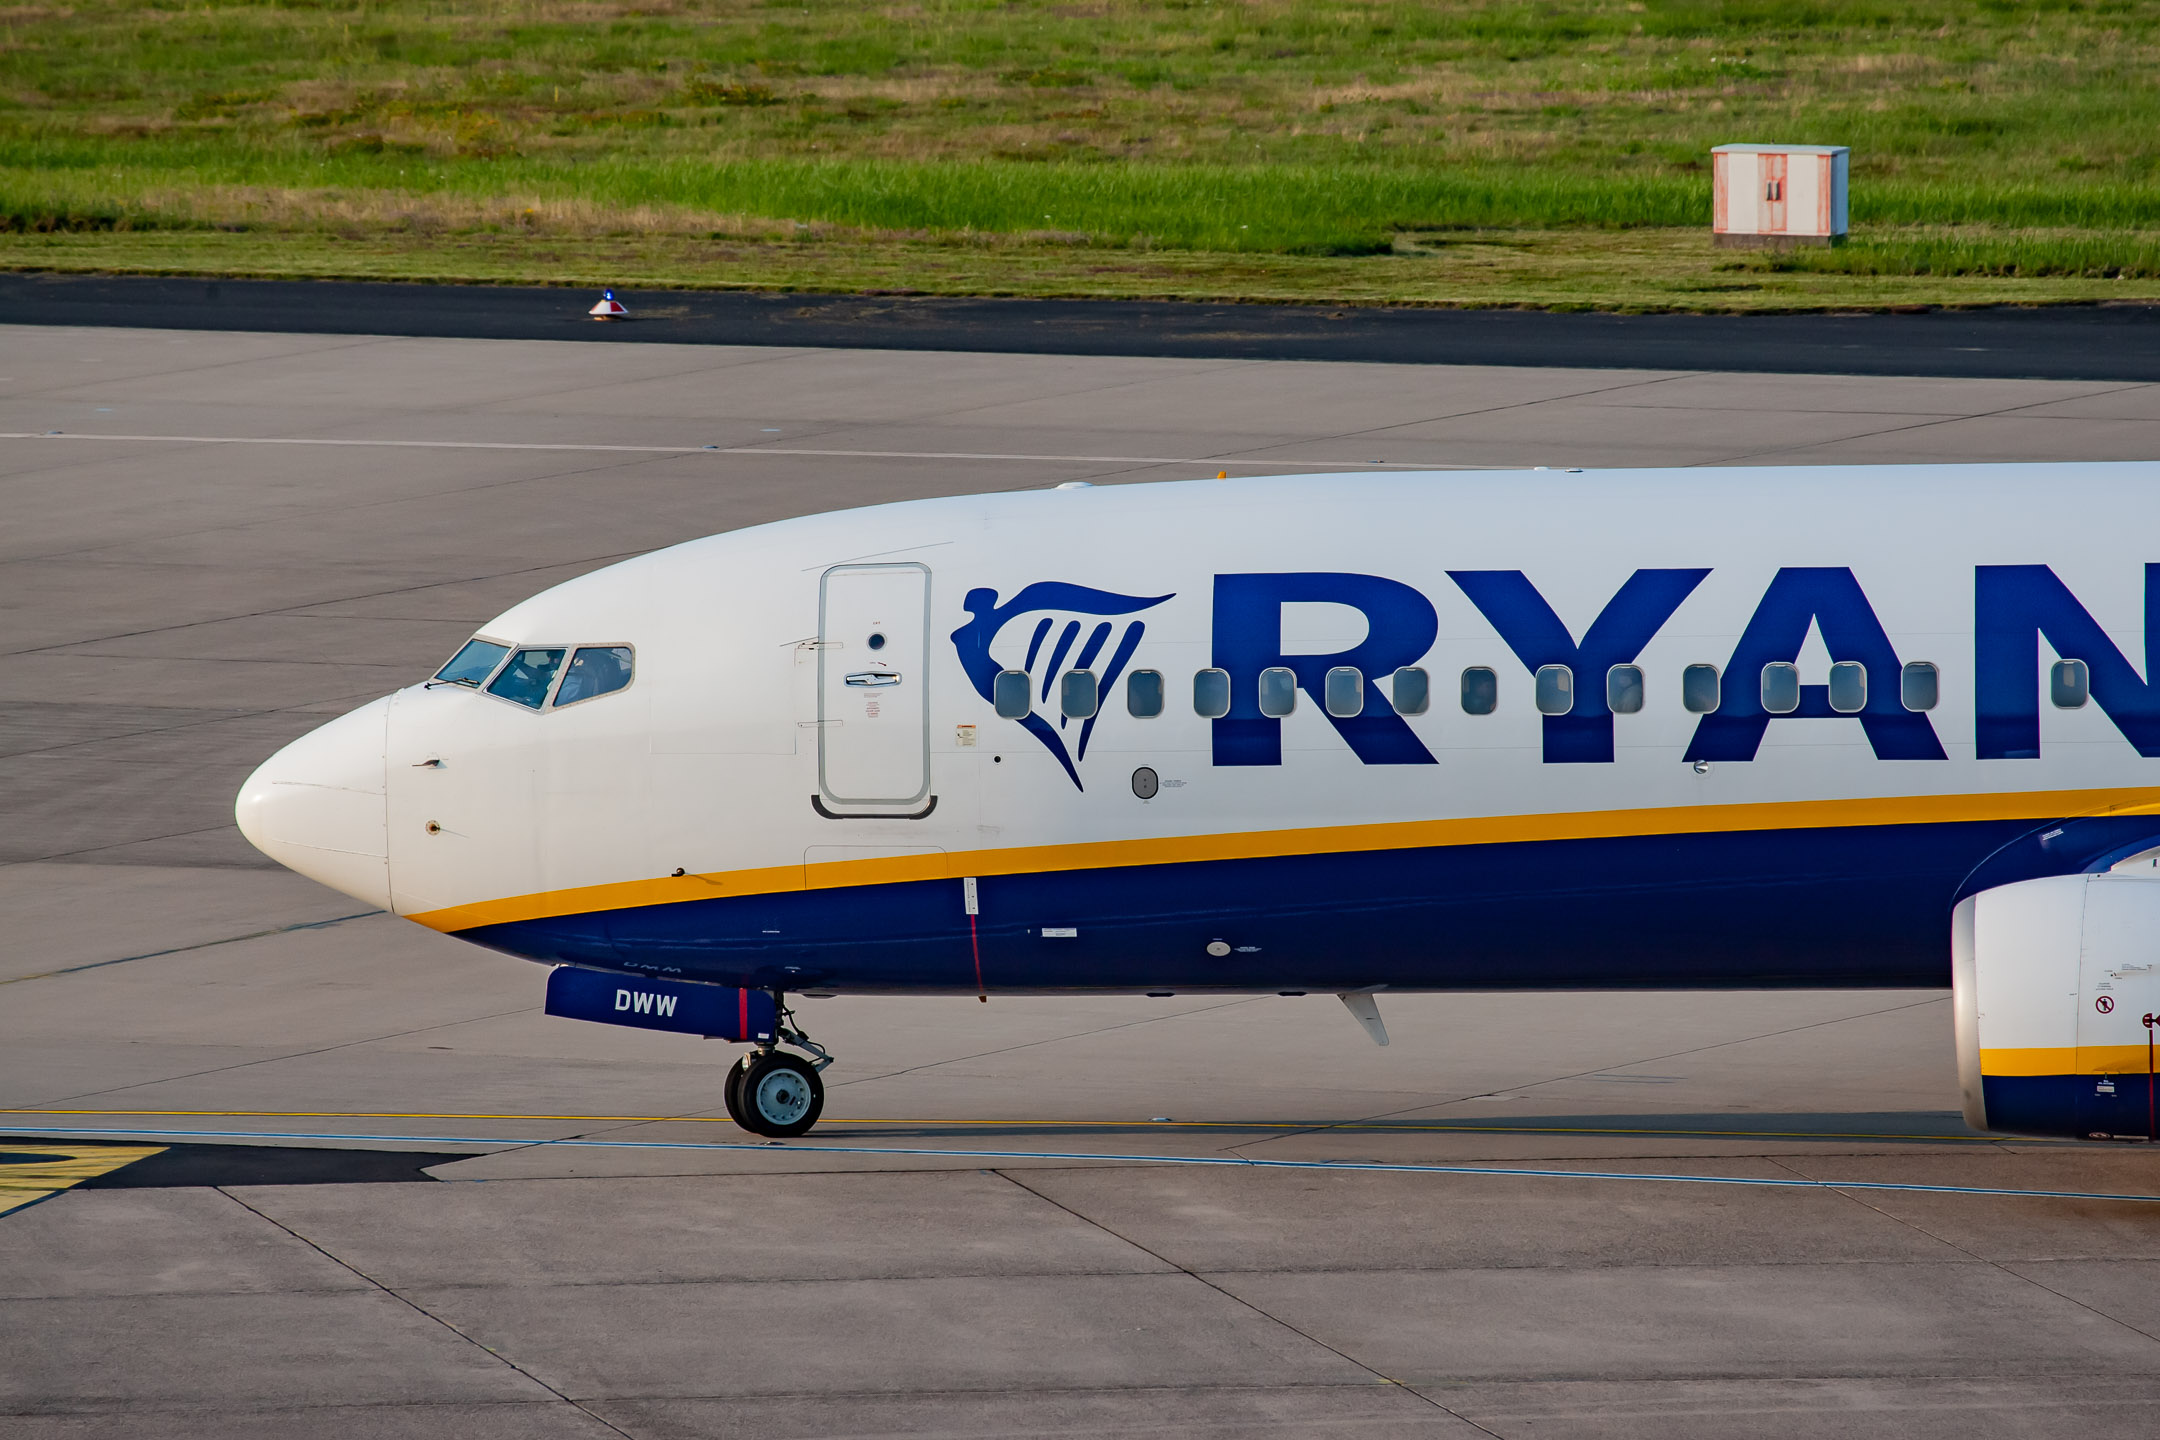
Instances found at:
x=595 y=670
x=526 y=678
x=473 y=664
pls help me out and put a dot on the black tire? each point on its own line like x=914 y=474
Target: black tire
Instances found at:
x=731 y=1089
x=780 y=1096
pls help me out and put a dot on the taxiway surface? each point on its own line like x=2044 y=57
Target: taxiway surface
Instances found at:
x=212 y=542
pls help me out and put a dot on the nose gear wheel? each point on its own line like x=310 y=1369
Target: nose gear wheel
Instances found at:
x=770 y=1092
x=775 y=1094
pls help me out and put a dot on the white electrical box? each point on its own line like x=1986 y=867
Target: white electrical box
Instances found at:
x=1778 y=194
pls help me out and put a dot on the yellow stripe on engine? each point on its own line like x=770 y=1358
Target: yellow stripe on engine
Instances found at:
x=2065 y=1060
x=1326 y=840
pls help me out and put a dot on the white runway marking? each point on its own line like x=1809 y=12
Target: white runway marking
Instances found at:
x=1216 y=460
x=1230 y=1161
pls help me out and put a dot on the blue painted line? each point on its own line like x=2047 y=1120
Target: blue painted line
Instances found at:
x=1229 y=1161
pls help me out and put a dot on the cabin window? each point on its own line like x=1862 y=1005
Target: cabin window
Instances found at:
x=2069 y=684
x=1013 y=694
x=1211 y=694
x=1278 y=691
x=1781 y=687
x=595 y=670
x=1410 y=691
x=1920 y=686
x=1699 y=689
x=1345 y=691
x=1623 y=689
x=525 y=680
x=1144 y=693
x=473 y=664
x=1555 y=690
x=1078 y=694
x=1848 y=687
x=1480 y=690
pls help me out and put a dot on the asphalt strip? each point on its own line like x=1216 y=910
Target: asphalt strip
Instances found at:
x=2071 y=342
x=1238 y=1162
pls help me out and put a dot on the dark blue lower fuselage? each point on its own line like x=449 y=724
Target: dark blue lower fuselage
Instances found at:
x=1770 y=909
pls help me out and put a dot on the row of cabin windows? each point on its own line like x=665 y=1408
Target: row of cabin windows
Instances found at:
x=1553 y=687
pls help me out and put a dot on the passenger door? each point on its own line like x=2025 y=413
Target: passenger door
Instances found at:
x=873 y=684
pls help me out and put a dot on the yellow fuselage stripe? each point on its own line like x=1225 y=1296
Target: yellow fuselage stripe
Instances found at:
x=1326 y=840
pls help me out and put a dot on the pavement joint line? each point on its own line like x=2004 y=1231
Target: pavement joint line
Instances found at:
x=1381 y=1127
x=1114 y=1157
x=184 y=949
x=799 y=453
x=419 y=1309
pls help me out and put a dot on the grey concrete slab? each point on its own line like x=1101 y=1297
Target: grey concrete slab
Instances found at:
x=217 y=687
x=470 y=601
x=170 y=582
x=542 y=1419
x=2097 y=1406
x=43 y=1073
x=87 y=1243
x=240 y=1351
x=1246 y=397
x=305 y=638
x=1619 y=435
x=1326 y=1412
x=1221 y=1221
x=168 y=908
x=901 y=1336
x=671 y=1231
x=2123 y=1289
x=1989 y=437
x=213 y=994
x=2115 y=402
x=852 y=387
x=2008 y=1229
x=99 y=500
x=41 y=361
x=1905 y=397
x=1688 y=1321
x=349 y=372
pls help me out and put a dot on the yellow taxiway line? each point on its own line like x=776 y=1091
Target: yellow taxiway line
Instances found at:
x=1315 y=1125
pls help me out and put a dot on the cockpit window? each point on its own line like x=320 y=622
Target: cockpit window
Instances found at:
x=473 y=664
x=595 y=670
x=526 y=678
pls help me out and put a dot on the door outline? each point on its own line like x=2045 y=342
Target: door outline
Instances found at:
x=827 y=659
x=1772 y=176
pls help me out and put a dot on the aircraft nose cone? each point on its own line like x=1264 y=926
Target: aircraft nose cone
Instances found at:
x=319 y=806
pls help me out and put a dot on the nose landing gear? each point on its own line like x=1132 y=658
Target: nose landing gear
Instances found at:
x=770 y=1092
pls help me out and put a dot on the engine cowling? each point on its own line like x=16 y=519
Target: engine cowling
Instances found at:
x=2055 y=993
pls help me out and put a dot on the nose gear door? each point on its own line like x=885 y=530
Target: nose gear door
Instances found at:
x=873 y=684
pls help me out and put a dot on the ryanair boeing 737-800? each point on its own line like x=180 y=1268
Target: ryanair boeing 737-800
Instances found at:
x=1354 y=734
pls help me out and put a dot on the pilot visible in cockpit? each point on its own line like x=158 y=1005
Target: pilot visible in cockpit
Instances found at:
x=595 y=670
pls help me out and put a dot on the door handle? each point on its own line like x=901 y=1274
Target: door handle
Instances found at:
x=872 y=679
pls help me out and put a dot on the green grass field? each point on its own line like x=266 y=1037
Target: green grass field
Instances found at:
x=1484 y=152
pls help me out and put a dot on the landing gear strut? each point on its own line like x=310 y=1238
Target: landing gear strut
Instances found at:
x=770 y=1092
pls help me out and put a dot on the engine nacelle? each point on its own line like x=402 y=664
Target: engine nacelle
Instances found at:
x=2055 y=992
